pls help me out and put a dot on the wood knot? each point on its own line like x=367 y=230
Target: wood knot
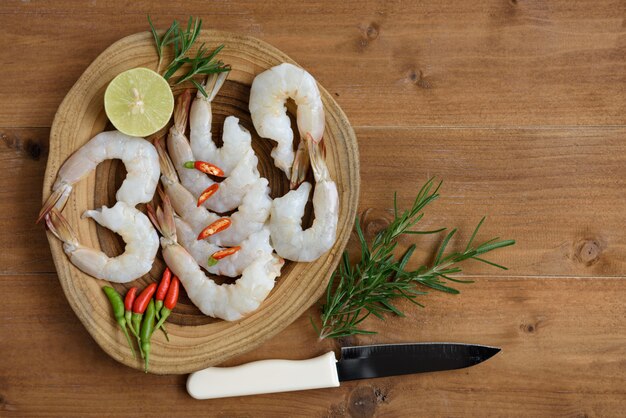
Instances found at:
x=372 y=31
x=29 y=147
x=368 y=34
x=362 y=402
x=588 y=251
x=532 y=327
x=417 y=77
x=33 y=149
x=373 y=221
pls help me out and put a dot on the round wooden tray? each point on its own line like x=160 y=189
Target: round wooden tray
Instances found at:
x=196 y=340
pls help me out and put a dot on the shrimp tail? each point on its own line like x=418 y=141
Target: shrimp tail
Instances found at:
x=181 y=112
x=301 y=164
x=317 y=156
x=309 y=152
x=60 y=227
x=167 y=166
x=163 y=218
x=56 y=200
x=213 y=84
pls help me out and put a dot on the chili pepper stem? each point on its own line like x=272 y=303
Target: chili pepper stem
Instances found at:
x=129 y=324
x=164 y=314
x=162 y=328
x=147 y=361
x=135 y=327
x=140 y=349
x=130 y=343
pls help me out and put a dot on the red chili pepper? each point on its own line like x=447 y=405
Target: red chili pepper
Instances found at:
x=170 y=301
x=128 y=306
x=218 y=255
x=163 y=286
x=210 y=191
x=172 y=296
x=205 y=167
x=160 y=295
x=140 y=305
x=217 y=226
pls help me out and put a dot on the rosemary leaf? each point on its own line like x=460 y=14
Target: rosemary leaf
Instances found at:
x=370 y=286
x=182 y=40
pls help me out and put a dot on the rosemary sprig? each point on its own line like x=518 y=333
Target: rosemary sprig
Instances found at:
x=368 y=288
x=182 y=40
x=203 y=63
x=168 y=37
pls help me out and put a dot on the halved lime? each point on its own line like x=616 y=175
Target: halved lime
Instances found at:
x=139 y=102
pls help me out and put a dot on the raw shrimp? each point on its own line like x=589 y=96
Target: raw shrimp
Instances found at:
x=288 y=238
x=250 y=217
x=232 y=190
x=256 y=245
x=137 y=154
x=142 y=167
x=237 y=140
x=227 y=301
x=142 y=243
x=268 y=94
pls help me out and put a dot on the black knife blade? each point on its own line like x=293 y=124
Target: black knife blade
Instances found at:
x=369 y=361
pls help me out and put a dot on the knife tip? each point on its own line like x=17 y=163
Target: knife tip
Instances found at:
x=490 y=352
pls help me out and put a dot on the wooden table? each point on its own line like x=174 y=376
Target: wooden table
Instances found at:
x=519 y=106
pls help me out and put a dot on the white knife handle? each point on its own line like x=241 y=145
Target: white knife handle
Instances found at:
x=265 y=376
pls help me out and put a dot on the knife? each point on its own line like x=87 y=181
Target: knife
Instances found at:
x=360 y=362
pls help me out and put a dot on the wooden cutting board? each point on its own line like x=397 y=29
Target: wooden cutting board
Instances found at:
x=196 y=341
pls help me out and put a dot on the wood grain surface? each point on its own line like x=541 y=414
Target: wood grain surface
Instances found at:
x=518 y=106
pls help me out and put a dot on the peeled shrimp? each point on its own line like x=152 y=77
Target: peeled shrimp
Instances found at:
x=142 y=166
x=137 y=154
x=268 y=94
x=142 y=243
x=250 y=217
x=227 y=301
x=232 y=190
x=288 y=238
x=256 y=245
x=237 y=140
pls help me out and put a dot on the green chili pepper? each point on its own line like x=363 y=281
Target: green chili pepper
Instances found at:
x=139 y=306
x=118 y=311
x=147 y=326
